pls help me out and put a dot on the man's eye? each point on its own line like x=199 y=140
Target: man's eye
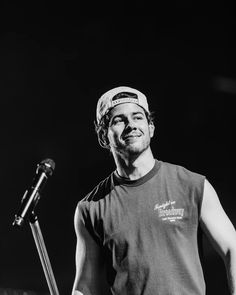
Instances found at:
x=138 y=117
x=117 y=120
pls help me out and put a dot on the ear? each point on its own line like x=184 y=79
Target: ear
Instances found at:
x=151 y=129
x=103 y=140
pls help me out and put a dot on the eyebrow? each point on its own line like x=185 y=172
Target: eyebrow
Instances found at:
x=133 y=114
x=123 y=115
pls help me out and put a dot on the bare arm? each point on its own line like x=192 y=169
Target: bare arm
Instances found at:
x=90 y=271
x=220 y=231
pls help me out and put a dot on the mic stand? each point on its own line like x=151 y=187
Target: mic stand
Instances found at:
x=39 y=241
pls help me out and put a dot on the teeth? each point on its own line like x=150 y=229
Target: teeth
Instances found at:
x=131 y=136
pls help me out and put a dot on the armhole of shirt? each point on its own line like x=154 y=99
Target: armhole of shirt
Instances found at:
x=201 y=197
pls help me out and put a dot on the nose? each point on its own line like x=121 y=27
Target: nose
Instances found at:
x=130 y=124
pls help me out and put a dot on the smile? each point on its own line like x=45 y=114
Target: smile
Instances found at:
x=131 y=136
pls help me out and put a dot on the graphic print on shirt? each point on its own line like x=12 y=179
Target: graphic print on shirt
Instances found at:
x=167 y=211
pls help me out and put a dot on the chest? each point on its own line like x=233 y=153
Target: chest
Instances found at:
x=149 y=211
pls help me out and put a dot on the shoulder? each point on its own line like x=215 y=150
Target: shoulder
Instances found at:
x=88 y=208
x=182 y=175
x=99 y=191
x=181 y=172
x=95 y=196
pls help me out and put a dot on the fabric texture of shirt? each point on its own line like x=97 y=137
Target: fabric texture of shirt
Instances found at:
x=149 y=230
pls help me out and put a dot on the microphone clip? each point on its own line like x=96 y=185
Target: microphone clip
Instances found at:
x=32 y=196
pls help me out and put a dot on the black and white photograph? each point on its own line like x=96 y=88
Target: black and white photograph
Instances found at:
x=118 y=148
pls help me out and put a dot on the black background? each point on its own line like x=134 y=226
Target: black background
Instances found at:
x=56 y=60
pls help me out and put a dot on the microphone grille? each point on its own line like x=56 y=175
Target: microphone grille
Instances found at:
x=47 y=166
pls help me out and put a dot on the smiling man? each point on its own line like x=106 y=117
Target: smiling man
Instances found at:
x=137 y=230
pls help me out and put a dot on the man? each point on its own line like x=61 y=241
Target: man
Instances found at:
x=137 y=230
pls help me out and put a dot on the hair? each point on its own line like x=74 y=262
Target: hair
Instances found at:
x=101 y=128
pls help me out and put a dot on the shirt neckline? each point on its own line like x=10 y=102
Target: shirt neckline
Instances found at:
x=141 y=180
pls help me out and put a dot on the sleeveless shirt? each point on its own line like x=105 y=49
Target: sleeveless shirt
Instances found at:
x=148 y=229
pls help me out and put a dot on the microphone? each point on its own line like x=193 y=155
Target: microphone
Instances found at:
x=31 y=196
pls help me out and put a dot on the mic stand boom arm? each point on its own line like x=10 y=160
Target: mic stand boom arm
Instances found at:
x=42 y=251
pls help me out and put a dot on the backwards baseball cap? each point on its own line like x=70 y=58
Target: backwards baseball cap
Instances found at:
x=118 y=95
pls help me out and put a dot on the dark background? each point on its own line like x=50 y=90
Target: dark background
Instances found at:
x=56 y=59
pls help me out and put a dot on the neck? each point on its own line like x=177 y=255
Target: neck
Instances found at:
x=134 y=167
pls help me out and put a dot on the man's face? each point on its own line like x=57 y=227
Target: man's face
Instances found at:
x=129 y=131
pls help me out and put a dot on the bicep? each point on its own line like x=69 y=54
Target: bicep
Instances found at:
x=215 y=222
x=90 y=275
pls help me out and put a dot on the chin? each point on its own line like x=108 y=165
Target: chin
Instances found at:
x=135 y=149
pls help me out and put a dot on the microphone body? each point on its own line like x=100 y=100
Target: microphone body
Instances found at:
x=32 y=195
